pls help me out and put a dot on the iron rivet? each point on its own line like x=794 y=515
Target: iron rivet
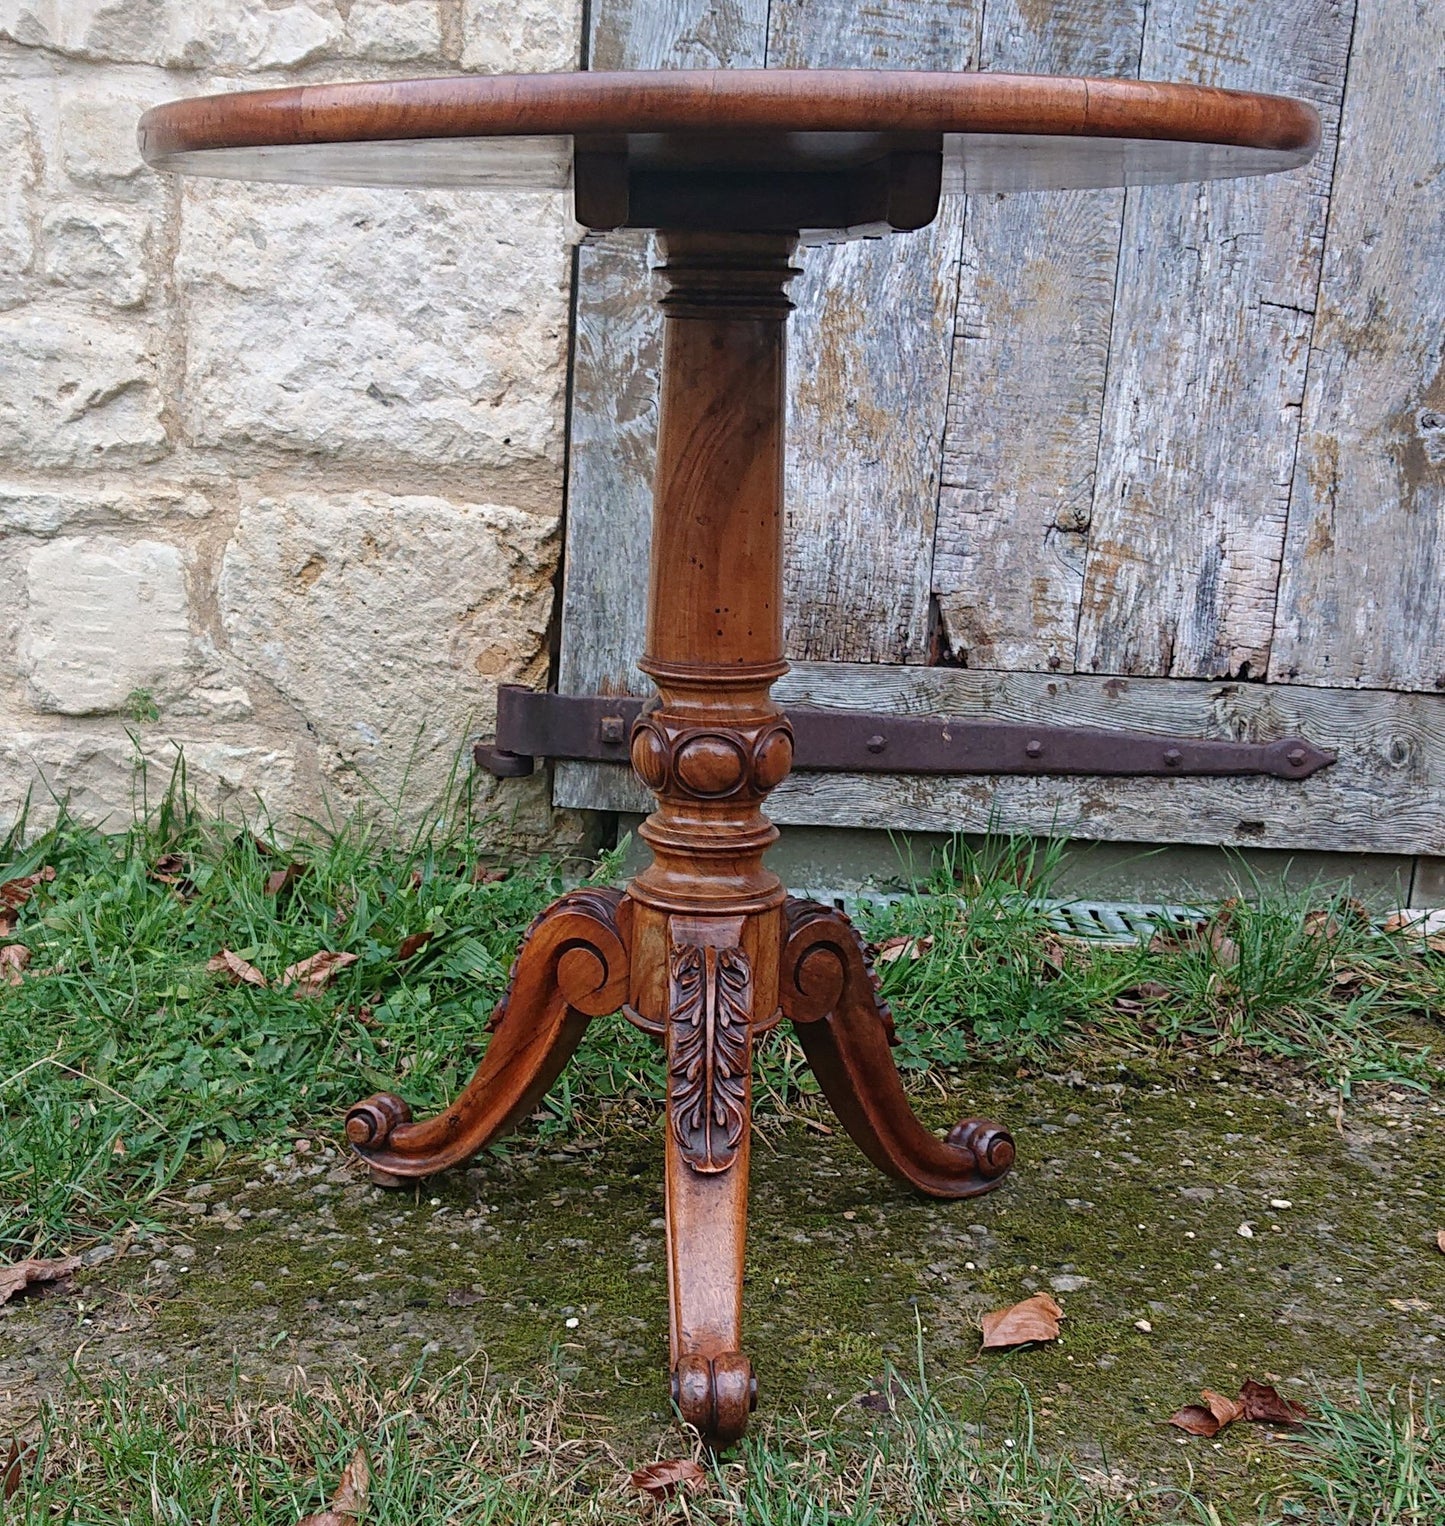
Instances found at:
x=876 y=744
x=612 y=728
x=1296 y=757
x=1035 y=748
x=1173 y=757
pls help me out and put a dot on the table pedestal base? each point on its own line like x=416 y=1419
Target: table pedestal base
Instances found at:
x=576 y=963
x=705 y=950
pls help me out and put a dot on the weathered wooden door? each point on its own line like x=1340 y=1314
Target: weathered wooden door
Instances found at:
x=1171 y=459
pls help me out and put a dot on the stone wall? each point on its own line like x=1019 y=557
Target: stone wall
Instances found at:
x=280 y=469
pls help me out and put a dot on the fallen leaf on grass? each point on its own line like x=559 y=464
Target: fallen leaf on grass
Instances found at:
x=12 y=1471
x=1035 y=1319
x=241 y=973
x=15 y=893
x=662 y=1480
x=1267 y=1406
x=1209 y=1418
x=279 y=879
x=31 y=1273
x=312 y=976
x=893 y=949
x=486 y=874
x=13 y=959
x=1257 y=1402
x=350 y=1498
x=413 y=944
x=170 y=869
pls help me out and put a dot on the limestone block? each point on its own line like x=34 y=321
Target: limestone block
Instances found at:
x=97 y=142
x=387 y=623
x=18 y=156
x=427 y=326
x=75 y=391
x=190 y=34
x=394 y=31
x=31 y=510
x=99 y=249
x=498 y=36
x=104 y=619
x=106 y=782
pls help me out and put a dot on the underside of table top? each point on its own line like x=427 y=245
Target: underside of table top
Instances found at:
x=985 y=132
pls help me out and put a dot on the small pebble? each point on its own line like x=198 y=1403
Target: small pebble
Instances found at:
x=1280 y=1202
x=1144 y=1325
x=1245 y=1232
x=573 y=1322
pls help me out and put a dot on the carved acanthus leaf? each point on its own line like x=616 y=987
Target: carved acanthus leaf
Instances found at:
x=709 y=1052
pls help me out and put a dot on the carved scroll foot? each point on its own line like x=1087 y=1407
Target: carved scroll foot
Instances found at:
x=830 y=995
x=572 y=967
x=709 y=1119
x=715 y=1395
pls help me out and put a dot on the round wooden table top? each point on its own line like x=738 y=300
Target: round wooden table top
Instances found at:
x=997 y=132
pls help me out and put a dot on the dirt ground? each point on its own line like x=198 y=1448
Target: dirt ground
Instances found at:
x=1198 y=1224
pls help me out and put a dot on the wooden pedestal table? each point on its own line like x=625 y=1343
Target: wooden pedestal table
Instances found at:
x=704 y=950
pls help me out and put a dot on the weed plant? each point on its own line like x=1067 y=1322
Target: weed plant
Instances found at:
x=123 y=1057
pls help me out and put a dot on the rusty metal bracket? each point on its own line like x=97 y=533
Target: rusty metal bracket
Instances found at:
x=596 y=728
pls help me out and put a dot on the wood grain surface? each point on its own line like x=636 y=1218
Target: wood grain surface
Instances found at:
x=1382 y=796
x=1362 y=599
x=868 y=366
x=1207 y=364
x=731 y=100
x=1030 y=358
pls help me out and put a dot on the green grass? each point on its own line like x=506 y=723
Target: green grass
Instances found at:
x=122 y=1058
x=455 y=1449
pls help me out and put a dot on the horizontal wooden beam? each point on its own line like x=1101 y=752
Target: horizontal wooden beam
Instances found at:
x=1385 y=794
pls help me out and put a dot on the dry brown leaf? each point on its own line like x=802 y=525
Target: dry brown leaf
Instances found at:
x=279 y=879
x=350 y=1498
x=1035 y=1319
x=1267 y=1406
x=413 y=944
x=168 y=869
x=241 y=973
x=28 y=1274
x=662 y=1480
x=1224 y=1409
x=15 y=893
x=310 y=977
x=13 y=959
x=893 y=949
x=12 y=1470
x=1197 y=1420
x=485 y=874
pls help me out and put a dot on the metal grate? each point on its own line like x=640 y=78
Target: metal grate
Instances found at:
x=1119 y=922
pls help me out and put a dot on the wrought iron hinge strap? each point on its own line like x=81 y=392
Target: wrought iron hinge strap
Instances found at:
x=596 y=728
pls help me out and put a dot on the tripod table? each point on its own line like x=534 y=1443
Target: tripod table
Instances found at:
x=704 y=950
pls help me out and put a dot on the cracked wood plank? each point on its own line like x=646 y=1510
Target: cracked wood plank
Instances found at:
x=1217 y=288
x=1363 y=595
x=617 y=345
x=868 y=368
x=1382 y=796
x=1029 y=364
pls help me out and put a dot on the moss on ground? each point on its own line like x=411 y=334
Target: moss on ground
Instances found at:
x=1128 y=1204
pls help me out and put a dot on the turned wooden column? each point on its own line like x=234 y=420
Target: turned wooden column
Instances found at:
x=707 y=914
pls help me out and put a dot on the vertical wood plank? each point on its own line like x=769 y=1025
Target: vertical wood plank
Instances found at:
x=617 y=345
x=1363 y=595
x=1217 y=288
x=869 y=369
x=1029 y=363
